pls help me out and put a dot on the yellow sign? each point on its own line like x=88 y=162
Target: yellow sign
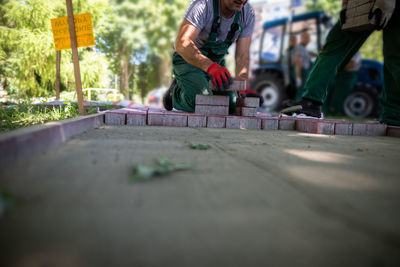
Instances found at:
x=83 y=29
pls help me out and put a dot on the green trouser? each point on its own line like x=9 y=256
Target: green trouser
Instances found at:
x=339 y=49
x=340 y=88
x=300 y=90
x=191 y=81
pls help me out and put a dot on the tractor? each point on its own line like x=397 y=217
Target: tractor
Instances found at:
x=272 y=79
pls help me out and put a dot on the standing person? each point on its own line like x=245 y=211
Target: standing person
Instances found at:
x=342 y=86
x=302 y=63
x=288 y=61
x=340 y=48
x=207 y=31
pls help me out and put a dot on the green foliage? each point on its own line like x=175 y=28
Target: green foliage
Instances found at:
x=331 y=7
x=27 y=51
x=26 y=114
x=136 y=35
x=160 y=167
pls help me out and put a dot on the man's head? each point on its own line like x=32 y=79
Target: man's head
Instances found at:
x=305 y=38
x=233 y=5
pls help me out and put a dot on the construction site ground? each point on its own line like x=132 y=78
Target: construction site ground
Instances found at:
x=255 y=198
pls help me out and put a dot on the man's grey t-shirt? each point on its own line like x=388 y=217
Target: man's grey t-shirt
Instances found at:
x=200 y=13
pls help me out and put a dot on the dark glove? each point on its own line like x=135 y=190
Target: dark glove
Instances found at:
x=342 y=15
x=220 y=76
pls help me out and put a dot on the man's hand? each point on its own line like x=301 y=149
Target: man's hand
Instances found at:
x=220 y=76
x=381 y=12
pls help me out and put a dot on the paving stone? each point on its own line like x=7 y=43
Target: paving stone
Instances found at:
x=175 y=119
x=136 y=118
x=315 y=126
x=287 y=124
x=270 y=123
x=238 y=84
x=211 y=110
x=115 y=117
x=236 y=122
x=197 y=120
x=216 y=122
x=248 y=112
x=212 y=100
x=251 y=102
x=393 y=131
x=343 y=128
x=167 y=118
x=370 y=129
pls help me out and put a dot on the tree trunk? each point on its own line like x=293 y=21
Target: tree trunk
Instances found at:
x=124 y=79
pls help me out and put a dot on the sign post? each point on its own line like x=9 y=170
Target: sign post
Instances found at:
x=72 y=32
x=75 y=58
x=58 y=64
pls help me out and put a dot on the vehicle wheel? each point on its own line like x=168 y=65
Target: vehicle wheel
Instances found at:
x=271 y=88
x=362 y=103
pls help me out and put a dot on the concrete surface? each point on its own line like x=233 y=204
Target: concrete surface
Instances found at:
x=257 y=198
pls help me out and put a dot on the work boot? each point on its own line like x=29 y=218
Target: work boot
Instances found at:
x=167 y=97
x=304 y=106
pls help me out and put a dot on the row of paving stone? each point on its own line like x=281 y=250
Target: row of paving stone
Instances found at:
x=141 y=116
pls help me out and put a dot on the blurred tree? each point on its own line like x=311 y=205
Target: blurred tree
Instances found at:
x=27 y=51
x=138 y=34
x=371 y=49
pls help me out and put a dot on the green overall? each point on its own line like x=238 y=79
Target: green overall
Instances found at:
x=338 y=91
x=191 y=80
x=339 y=49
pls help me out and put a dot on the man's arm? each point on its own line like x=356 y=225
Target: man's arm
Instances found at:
x=242 y=57
x=186 y=48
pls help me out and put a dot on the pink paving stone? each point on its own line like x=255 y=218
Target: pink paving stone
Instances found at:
x=236 y=122
x=211 y=110
x=343 y=128
x=248 y=112
x=136 y=117
x=238 y=84
x=370 y=129
x=175 y=119
x=115 y=117
x=251 y=102
x=315 y=126
x=216 y=122
x=393 y=131
x=287 y=124
x=269 y=123
x=197 y=120
x=155 y=118
x=212 y=100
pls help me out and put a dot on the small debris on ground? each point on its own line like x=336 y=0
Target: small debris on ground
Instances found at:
x=362 y=150
x=199 y=146
x=160 y=167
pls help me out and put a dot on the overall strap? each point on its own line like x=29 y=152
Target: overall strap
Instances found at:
x=216 y=21
x=235 y=26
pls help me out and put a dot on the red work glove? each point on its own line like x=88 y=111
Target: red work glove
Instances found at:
x=220 y=76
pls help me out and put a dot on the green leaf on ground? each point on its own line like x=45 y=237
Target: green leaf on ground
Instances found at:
x=199 y=146
x=160 y=167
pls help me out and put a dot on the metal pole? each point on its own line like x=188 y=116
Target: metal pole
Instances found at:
x=58 y=67
x=75 y=58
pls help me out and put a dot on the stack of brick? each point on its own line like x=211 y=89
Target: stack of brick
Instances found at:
x=247 y=107
x=357 y=13
x=210 y=109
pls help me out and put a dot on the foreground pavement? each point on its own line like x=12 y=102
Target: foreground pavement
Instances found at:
x=256 y=198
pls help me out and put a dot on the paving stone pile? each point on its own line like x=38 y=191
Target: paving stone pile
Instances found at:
x=213 y=112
